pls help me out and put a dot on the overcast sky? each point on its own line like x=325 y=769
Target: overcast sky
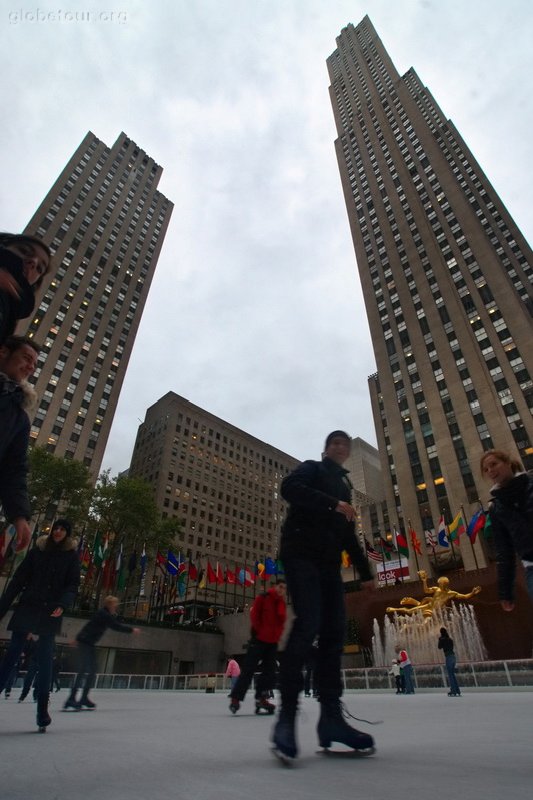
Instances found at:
x=255 y=311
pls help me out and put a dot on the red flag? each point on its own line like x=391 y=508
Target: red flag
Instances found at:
x=161 y=562
x=415 y=541
x=219 y=573
x=211 y=574
x=230 y=576
x=193 y=572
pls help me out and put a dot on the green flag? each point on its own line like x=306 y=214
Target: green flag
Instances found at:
x=487 y=530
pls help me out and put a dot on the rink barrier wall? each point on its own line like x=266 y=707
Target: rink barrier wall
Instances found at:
x=476 y=675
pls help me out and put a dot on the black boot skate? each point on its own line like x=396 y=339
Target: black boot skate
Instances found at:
x=234 y=705
x=262 y=704
x=86 y=703
x=284 y=736
x=43 y=717
x=72 y=703
x=332 y=727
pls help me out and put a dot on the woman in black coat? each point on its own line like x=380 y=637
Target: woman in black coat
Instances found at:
x=511 y=514
x=24 y=261
x=47 y=582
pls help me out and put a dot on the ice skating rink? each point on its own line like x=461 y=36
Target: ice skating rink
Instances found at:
x=155 y=745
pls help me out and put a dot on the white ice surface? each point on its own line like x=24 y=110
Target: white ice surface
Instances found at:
x=187 y=746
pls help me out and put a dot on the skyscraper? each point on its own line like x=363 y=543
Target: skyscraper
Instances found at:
x=106 y=222
x=220 y=482
x=446 y=278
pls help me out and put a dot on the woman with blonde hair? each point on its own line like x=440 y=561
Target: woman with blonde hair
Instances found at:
x=511 y=514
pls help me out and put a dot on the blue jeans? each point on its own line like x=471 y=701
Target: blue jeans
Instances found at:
x=317 y=594
x=87 y=666
x=407 y=673
x=452 y=678
x=44 y=654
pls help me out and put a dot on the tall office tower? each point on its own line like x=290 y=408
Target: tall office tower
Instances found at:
x=446 y=278
x=106 y=222
x=220 y=482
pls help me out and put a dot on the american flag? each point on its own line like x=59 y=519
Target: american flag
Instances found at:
x=372 y=554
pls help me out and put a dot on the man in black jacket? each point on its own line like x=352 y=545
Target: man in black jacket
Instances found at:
x=86 y=640
x=318 y=527
x=18 y=360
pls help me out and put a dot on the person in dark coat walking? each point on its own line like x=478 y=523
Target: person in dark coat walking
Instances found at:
x=18 y=360
x=46 y=583
x=511 y=514
x=318 y=527
x=267 y=617
x=446 y=645
x=90 y=634
x=24 y=261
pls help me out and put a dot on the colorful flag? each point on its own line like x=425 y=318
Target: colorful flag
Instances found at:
x=219 y=572
x=182 y=583
x=401 y=543
x=431 y=537
x=173 y=563
x=280 y=570
x=211 y=574
x=245 y=577
x=345 y=560
x=476 y=524
x=101 y=550
x=372 y=554
x=202 y=580
x=85 y=562
x=270 y=567
x=230 y=577
x=193 y=572
x=415 y=541
x=487 y=530
x=456 y=527
x=442 y=535
x=160 y=562
x=260 y=570
x=386 y=548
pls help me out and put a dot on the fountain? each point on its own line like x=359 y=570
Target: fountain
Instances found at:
x=416 y=626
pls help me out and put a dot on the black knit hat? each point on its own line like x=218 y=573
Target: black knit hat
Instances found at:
x=63 y=523
x=333 y=435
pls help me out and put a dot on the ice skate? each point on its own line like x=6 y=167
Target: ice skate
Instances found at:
x=86 y=703
x=263 y=705
x=332 y=727
x=284 y=737
x=43 y=717
x=71 y=704
x=234 y=705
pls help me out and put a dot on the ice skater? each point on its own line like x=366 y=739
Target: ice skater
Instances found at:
x=406 y=669
x=396 y=671
x=511 y=514
x=24 y=261
x=318 y=527
x=445 y=644
x=90 y=634
x=267 y=617
x=46 y=583
x=232 y=672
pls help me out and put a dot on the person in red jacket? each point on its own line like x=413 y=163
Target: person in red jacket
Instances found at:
x=267 y=616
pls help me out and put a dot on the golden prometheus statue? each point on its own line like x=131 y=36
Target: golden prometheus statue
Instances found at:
x=435 y=597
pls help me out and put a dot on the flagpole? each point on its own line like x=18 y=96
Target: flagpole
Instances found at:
x=235 y=565
x=471 y=545
x=383 y=562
